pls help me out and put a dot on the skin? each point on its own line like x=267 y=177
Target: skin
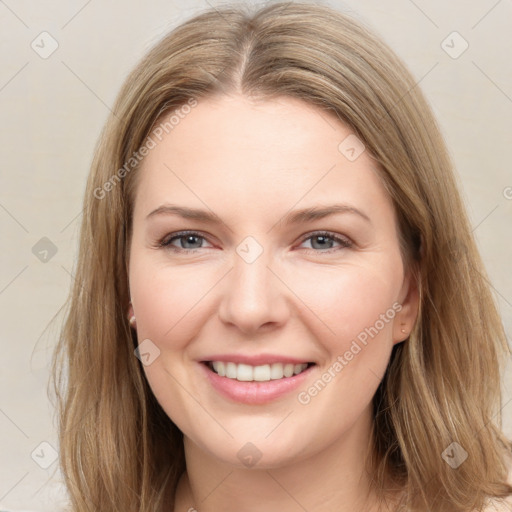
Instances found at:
x=251 y=162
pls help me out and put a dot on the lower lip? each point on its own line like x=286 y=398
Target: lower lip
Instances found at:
x=254 y=393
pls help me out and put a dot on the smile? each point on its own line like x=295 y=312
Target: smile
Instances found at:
x=255 y=384
x=260 y=373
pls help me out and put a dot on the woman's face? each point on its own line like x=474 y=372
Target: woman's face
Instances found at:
x=291 y=258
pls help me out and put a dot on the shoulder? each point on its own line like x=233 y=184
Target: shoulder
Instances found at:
x=504 y=505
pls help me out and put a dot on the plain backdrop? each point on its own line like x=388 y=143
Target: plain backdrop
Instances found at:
x=53 y=105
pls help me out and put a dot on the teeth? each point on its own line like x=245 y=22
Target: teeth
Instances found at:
x=261 y=373
x=276 y=371
x=219 y=368
x=265 y=372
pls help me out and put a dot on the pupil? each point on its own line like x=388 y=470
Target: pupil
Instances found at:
x=323 y=239
x=190 y=239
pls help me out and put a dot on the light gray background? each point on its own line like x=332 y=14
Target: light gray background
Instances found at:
x=52 y=111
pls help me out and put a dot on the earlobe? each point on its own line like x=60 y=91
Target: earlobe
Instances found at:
x=131 y=315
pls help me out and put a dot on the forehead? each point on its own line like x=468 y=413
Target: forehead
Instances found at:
x=264 y=153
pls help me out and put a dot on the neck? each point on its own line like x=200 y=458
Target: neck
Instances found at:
x=332 y=479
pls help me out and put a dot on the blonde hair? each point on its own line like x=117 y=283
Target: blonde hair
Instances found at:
x=118 y=449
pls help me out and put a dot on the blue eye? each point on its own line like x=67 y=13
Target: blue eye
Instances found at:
x=186 y=237
x=321 y=241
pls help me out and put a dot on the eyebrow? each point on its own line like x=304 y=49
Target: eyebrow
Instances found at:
x=294 y=217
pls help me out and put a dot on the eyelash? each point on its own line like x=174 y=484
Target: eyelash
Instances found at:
x=165 y=242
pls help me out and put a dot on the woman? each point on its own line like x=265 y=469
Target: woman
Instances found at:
x=278 y=302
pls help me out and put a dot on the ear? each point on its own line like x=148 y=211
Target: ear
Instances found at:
x=409 y=299
x=131 y=315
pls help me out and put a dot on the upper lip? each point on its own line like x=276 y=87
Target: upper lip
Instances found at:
x=255 y=360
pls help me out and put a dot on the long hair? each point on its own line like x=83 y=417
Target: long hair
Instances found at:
x=118 y=449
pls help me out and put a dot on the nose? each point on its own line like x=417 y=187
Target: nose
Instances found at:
x=254 y=297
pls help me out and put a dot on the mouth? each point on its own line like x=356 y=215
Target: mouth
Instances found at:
x=260 y=373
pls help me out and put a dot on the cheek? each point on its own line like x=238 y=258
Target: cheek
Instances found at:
x=170 y=310
x=348 y=301
x=167 y=300
x=359 y=306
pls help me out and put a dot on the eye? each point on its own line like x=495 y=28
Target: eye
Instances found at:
x=323 y=241
x=188 y=241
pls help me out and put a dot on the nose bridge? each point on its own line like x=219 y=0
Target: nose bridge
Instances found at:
x=253 y=296
x=250 y=271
